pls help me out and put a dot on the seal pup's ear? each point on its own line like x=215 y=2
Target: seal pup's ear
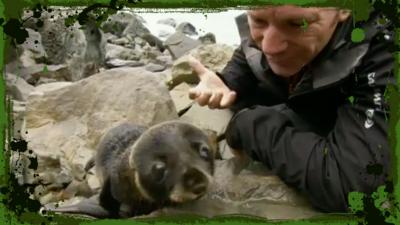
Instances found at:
x=213 y=140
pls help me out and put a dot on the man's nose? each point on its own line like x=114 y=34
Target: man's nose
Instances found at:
x=273 y=42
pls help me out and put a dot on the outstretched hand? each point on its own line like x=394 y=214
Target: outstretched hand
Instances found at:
x=211 y=90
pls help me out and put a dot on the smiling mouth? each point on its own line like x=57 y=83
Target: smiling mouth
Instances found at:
x=278 y=61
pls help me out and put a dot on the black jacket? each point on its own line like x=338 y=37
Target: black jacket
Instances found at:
x=329 y=136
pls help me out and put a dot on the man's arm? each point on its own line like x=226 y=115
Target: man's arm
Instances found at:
x=348 y=159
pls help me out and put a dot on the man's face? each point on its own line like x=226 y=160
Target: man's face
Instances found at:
x=290 y=37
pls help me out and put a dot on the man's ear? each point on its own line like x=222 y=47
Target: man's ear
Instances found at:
x=344 y=14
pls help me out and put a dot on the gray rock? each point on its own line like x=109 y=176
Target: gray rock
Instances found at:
x=186 y=28
x=150 y=54
x=43 y=89
x=112 y=63
x=154 y=67
x=181 y=98
x=51 y=72
x=210 y=119
x=154 y=41
x=95 y=51
x=178 y=44
x=135 y=28
x=120 y=41
x=34 y=44
x=119 y=52
x=116 y=24
x=168 y=21
x=208 y=38
x=18 y=115
x=17 y=87
x=110 y=37
x=164 y=60
x=54 y=35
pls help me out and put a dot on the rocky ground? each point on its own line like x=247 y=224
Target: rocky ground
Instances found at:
x=69 y=85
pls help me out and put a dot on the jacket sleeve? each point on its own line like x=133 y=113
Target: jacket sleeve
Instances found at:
x=354 y=156
x=237 y=74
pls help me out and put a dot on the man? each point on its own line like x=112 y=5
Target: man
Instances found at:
x=316 y=113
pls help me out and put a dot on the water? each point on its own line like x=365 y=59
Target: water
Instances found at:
x=221 y=24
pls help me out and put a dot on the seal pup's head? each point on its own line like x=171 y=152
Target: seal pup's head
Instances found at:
x=173 y=162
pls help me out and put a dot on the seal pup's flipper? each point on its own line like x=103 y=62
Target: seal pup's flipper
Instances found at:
x=87 y=207
x=107 y=201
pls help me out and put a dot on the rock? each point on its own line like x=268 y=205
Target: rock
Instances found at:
x=165 y=60
x=178 y=44
x=154 y=67
x=213 y=56
x=208 y=38
x=211 y=119
x=120 y=41
x=181 y=98
x=116 y=23
x=27 y=54
x=186 y=28
x=81 y=48
x=167 y=21
x=34 y=44
x=112 y=63
x=95 y=51
x=54 y=72
x=18 y=115
x=54 y=35
x=150 y=54
x=139 y=42
x=110 y=37
x=119 y=52
x=224 y=150
x=135 y=28
x=154 y=41
x=17 y=87
x=43 y=89
x=75 y=116
x=164 y=31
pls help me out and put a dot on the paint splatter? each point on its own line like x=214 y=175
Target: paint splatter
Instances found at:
x=357 y=35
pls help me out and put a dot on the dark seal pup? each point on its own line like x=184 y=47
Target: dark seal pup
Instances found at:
x=142 y=170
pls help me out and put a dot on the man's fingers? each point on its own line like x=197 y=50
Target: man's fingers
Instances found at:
x=215 y=100
x=228 y=99
x=204 y=97
x=194 y=93
x=197 y=66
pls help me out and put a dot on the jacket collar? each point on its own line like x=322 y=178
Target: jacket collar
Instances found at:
x=338 y=59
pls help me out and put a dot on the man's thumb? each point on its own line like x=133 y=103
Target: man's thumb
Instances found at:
x=196 y=65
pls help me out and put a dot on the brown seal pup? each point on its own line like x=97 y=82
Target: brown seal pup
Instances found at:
x=142 y=170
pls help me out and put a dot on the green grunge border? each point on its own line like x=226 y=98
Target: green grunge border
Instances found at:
x=364 y=213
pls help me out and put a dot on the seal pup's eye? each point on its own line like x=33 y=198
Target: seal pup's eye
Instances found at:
x=158 y=171
x=204 y=152
x=202 y=149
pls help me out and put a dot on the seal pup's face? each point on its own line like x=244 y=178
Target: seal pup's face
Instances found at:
x=173 y=161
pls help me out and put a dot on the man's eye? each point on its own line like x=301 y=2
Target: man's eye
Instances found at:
x=297 y=23
x=258 y=22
